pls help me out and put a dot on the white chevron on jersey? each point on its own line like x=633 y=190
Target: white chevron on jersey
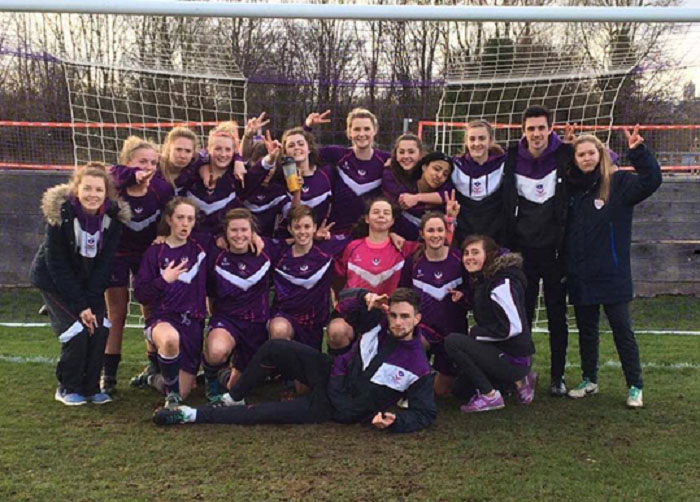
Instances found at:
x=437 y=292
x=244 y=283
x=375 y=279
x=538 y=191
x=415 y=220
x=209 y=208
x=309 y=282
x=137 y=226
x=358 y=188
x=254 y=208
x=477 y=188
x=191 y=273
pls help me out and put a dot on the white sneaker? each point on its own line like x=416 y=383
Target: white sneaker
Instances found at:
x=227 y=400
x=583 y=389
x=634 y=398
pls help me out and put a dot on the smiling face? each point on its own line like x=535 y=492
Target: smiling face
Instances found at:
x=220 y=151
x=91 y=193
x=407 y=154
x=436 y=173
x=181 y=152
x=403 y=319
x=303 y=230
x=478 y=141
x=474 y=257
x=145 y=159
x=361 y=133
x=536 y=131
x=181 y=222
x=380 y=217
x=296 y=146
x=587 y=156
x=239 y=235
x=434 y=233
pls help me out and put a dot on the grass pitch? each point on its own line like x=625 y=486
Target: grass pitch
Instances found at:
x=557 y=449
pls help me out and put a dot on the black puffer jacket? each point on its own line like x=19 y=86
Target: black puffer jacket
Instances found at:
x=59 y=268
x=499 y=307
x=598 y=236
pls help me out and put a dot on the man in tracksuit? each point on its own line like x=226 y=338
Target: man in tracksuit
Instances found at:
x=386 y=363
x=535 y=203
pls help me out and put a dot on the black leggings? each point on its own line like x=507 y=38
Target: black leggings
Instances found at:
x=295 y=361
x=482 y=363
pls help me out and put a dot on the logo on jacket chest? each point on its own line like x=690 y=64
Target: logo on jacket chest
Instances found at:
x=598 y=203
x=539 y=189
x=138 y=210
x=477 y=187
x=305 y=188
x=376 y=262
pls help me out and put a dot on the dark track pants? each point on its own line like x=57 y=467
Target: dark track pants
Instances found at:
x=295 y=361
x=482 y=364
x=82 y=354
x=543 y=263
x=587 y=317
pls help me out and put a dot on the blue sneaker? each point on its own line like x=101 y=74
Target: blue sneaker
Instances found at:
x=70 y=398
x=100 y=398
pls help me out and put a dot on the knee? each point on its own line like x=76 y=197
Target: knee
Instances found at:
x=340 y=334
x=454 y=341
x=218 y=348
x=166 y=340
x=280 y=328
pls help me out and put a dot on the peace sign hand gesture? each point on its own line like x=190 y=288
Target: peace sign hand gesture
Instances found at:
x=255 y=124
x=274 y=148
x=451 y=205
x=569 y=133
x=324 y=231
x=634 y=139
x=316 y=118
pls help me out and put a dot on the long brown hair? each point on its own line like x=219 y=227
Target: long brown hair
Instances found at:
x=491 y=250
x=166 y=167
x=420 y=250
x=97 y=170
x=163 y=227
x=310 y=141
x=406 y=178
x=607 y=168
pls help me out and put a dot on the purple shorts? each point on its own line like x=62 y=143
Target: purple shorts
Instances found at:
x=122 y=266
x=191 y=333
x=441 y=361
x=249 y=337
x=308 y=334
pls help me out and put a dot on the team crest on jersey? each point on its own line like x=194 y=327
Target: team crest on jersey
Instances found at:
x=477 y=188
x=539 y=189
x=166 y=260
x=241 y=267
x=225 y=262
x=260 y=197
x=398 y=376
x=138 y=210
x=362 y=172
x=304 y=268
x=438 y=275
x=346 y=166
x=376 y=261
x=184 y=259
x=419 y=273
x=305 y=189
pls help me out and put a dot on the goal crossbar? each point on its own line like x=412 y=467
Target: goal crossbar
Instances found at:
x=555 y=14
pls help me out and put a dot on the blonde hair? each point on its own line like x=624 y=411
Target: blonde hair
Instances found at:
x=361 y=113
x=472 y=124
x=96 y=170
x=607 y=168
x=228 y=129
x=166 y=167
x=133 y=143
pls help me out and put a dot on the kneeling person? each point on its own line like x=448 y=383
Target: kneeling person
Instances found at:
x=387 y=362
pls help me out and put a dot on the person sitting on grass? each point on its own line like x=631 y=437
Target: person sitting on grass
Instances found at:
x=71 y=269
x=499 y=348
x=387 y=362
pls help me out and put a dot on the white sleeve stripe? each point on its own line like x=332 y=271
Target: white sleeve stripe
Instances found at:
x=504 y=298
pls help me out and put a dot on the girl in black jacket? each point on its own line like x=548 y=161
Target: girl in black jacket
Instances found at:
x=499 y=346
x=71 y=268
x=598 y=237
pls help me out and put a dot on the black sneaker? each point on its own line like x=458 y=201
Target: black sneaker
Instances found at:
x=165 y=416
x=172 y=401
x=557 y=388
x=141 y=380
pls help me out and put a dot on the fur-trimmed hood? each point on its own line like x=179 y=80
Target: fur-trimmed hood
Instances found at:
x=55 y=197
x=505 y=261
